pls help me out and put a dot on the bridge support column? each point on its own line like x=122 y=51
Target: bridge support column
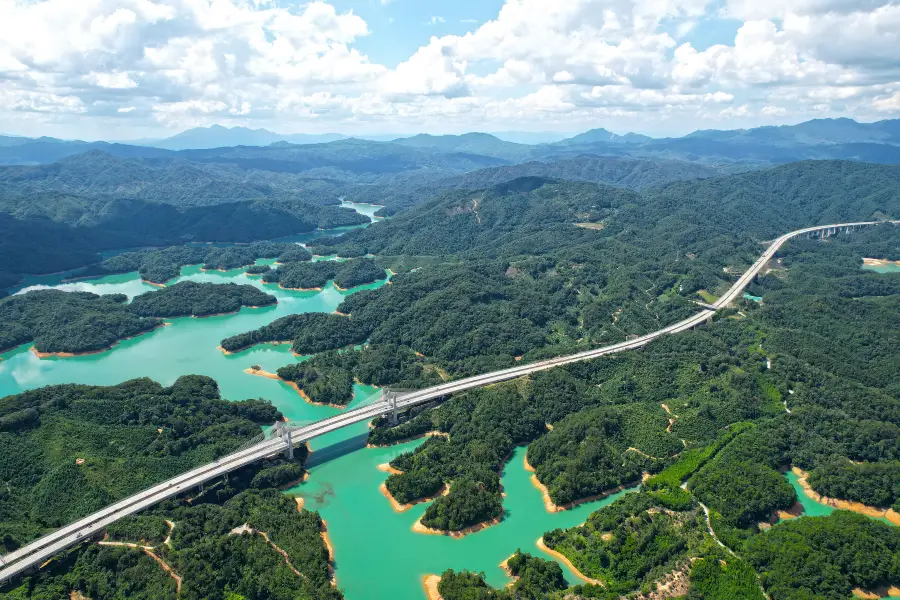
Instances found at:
x=289 y=453
x=392 y=402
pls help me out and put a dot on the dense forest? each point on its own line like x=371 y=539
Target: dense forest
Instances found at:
x=161 y=265
x=310 y=332
x=537 y=267
x=305 y=276
x=69 y=450
x=814 y=368
x=77 y=322
x=229 y=547
x=188 y=298
x=58 y=321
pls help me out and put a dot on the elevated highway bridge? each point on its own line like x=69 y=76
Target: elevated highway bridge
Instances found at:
x=282 y=439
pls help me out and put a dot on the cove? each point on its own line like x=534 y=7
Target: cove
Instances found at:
x=187 y=346
x=812 y=508
x=379 y=557
x=888 y=268
x=55 y=280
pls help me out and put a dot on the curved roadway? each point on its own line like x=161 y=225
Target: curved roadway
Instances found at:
x=47 y=546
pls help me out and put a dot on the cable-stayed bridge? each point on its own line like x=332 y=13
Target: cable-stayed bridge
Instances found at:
x=282 y=438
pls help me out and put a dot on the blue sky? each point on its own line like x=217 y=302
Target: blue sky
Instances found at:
x=123 y=69
x=400 y=27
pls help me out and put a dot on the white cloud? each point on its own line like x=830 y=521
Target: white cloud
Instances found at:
x=178 y=63
x=113 y=81
x=774 y=111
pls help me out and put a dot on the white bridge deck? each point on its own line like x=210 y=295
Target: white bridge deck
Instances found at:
x=42 y=549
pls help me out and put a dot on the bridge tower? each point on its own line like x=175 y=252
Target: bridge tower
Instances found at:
x=284 y=433
x=391 y=398
x=289 y=453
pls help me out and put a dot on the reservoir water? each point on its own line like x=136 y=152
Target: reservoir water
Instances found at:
x=888 y=268
x=377 y=555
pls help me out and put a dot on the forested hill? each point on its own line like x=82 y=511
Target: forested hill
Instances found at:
x=539 y=267
x=633 y=173
x=72 y=449
x=527 y=215
x=620 y=171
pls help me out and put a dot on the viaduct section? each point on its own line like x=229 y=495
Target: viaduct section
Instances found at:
x=282 y=438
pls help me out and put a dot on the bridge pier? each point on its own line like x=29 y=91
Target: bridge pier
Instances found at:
x=289 y=453
x=392 y=402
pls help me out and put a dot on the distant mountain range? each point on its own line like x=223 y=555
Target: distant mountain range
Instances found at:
x=816 y=139
x=202 y=138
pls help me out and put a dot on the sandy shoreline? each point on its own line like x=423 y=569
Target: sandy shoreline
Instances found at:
x=892 y=592
x=410 y=439
x=399 y=508
x=40 y=354
x=419 y=528
x=387 y=468
x=880 y=262
x=230 y=352
x=330 y=548
x=266 y=374
x=858 y=507
x=552 y=507
x=315 y=289
x=430 y=583
x=153 y=283
x=563 y=559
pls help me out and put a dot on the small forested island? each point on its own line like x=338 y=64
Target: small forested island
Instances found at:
x=66 y=323
x=188 y=298
x=257 y=269
x=161 y=265
x=332 y=386
x=300 y=275
x=310 y=333
x=69 y=322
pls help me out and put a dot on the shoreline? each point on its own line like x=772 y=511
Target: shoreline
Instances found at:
x=858 y=507
x=225 y=314
x=153 y=283
x=330 y=548
x=387 y=468
x=564 y=559
x=430 y=583
x=42 y=355
x=315 y=289
x=400 y=508
x=230 y=352
x=880 y=262
x=419 y=528
x=427 y=434
x=552 y=507
x=266 y=374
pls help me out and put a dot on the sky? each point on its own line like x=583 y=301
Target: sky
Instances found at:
x=127 y=69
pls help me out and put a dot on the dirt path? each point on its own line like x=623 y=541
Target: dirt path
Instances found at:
x=149 y=551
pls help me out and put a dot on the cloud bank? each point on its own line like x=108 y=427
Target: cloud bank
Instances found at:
x=155 y=65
